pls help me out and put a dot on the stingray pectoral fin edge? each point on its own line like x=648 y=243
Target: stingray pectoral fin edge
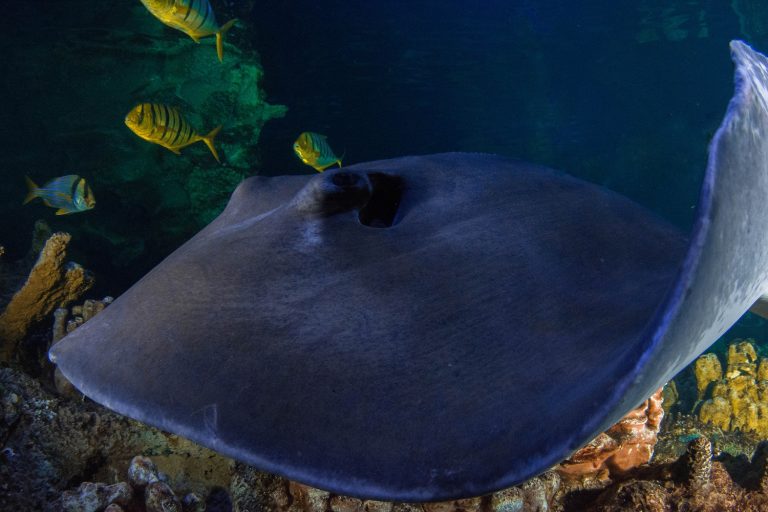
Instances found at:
x=502 y=316
x=728 y=243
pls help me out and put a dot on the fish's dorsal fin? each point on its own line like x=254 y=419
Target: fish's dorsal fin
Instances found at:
x=220 y=38
x=760 y=307
x=66 y=182
x=32 y=190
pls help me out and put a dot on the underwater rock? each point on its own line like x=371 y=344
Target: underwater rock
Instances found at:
x=52 y=283
x=142 y=472
x=159 y=497
x=628 y=444
x=192 y=503
x=640 y=496
x=252 y=489
x=48 y=443
x=93 y=497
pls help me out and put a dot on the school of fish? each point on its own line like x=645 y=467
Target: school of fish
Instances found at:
x=165 y=125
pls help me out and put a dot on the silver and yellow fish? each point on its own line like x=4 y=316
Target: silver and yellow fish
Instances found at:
x=313 y=149
x=165 y=126
x=193 y=17
x=69 y=194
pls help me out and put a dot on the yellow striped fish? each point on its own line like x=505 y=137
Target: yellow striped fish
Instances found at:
x=164 y=125
x=313 y=149
x=193 y=17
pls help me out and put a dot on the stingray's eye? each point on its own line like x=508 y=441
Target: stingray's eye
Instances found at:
x=334 y=192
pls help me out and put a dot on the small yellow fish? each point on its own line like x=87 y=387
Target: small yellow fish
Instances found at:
x=164 y=125
x=313 y=149
x=193 y=17
x=69 y=194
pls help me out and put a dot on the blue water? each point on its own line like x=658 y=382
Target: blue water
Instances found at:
x=606 y=92
x=626 y=95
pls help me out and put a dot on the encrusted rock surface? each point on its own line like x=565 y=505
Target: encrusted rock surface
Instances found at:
x=49 y=445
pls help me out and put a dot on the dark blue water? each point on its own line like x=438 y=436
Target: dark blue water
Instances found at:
x=623 y=95
x=626 y=95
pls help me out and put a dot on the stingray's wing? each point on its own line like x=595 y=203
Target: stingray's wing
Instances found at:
x=726 y=268
x=499 y=317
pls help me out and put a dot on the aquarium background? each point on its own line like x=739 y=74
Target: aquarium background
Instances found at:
x=625 y=96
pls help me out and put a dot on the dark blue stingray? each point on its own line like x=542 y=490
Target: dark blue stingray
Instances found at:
x=431 y=327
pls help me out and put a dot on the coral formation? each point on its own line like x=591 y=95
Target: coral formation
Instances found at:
x=707 y=369
x=739 y=398
x=63 y=325
x=67 y=320
x=628 y=444
x=53 y=282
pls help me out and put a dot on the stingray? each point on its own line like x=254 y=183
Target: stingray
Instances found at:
x=432 y=327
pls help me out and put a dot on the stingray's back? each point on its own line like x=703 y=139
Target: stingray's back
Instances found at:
x=430 y=327
x=415 y=359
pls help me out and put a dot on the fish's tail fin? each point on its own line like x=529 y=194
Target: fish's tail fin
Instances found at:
x=208 y=139
x=341 y=158
x=32 y=190
x=220 y=38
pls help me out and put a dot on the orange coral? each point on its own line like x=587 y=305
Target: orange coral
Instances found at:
x=627 y=444
x=52 y=283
